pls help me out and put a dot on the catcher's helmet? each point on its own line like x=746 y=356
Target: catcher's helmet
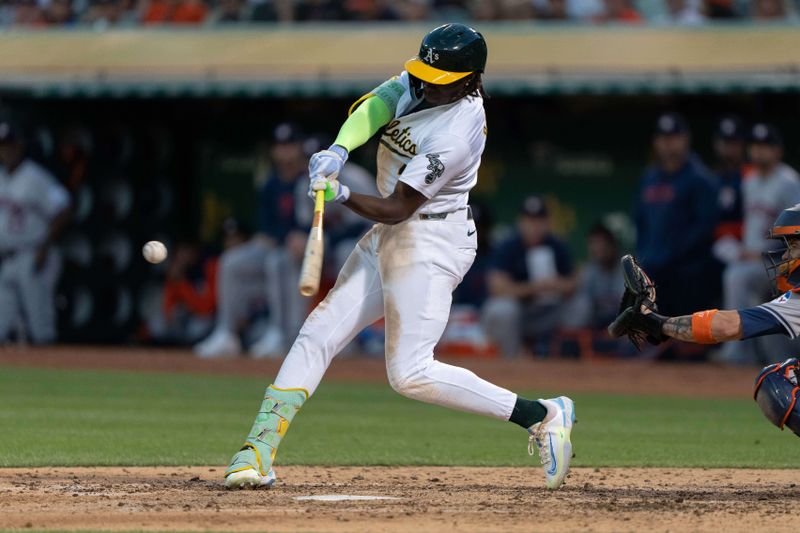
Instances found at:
x=782 y=269
x=447 y=54
x=777 y=394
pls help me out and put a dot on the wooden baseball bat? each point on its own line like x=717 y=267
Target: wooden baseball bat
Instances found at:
x=311 y=270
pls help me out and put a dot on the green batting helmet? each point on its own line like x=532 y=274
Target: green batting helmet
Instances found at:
x=447 y=54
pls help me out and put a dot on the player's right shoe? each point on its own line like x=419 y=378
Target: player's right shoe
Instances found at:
x=551 y=438
x=251 y=466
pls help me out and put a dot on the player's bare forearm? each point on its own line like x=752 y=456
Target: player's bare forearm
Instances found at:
x=393 y=209
x=725 y=326
x=679 y=327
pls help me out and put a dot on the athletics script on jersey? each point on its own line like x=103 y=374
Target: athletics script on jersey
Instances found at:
x=399 y=140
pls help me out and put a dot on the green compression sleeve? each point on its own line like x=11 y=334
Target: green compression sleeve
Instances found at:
x=362 y=123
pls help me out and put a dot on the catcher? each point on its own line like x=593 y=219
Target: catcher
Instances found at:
x=776 y=389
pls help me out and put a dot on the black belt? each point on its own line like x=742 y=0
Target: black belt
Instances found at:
x=442 y=216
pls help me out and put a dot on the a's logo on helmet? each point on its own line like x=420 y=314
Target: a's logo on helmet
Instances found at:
x=430 y=57
x=436 y=168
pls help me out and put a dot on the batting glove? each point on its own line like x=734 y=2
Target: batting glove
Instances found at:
x=334 y=190
x=327 y=163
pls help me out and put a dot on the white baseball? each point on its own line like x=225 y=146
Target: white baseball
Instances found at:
x=154 y=251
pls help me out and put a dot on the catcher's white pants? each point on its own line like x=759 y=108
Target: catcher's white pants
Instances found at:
x=405 y=273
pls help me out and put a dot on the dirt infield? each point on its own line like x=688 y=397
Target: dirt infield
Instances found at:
x=428 y=500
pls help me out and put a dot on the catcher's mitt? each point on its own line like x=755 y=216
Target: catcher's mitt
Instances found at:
x=637 y=311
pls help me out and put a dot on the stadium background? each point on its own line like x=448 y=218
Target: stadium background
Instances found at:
x=167 y=130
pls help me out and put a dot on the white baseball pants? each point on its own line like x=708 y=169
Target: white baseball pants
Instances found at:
x=405 y=273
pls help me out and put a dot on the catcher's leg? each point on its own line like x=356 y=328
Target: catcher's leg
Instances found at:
x=353 y=303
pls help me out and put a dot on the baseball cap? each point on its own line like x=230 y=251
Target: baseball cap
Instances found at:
x=764 y=133
x=9 y=131
x=671 y=124
x=730 y=128
x=533 y=206
x=288 y=132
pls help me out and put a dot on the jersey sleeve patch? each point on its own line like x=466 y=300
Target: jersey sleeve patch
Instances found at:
x=436 y=168
x=785 y=309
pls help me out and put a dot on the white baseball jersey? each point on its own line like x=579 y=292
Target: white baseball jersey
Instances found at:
x=29 y=199
x=437 y=150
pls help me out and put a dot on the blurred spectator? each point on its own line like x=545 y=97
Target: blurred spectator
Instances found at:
x=600 y=285
x=722 y=9
x=585 y=9
x=243 y=284
x=619 y=11
x=729 y=147
x=768 y=188
x=228 y=11
x=413 y=10
x=767 y=10
x=58 y=13
x=529 y=278
x=278 y=10
x=175 y=12
x=28 y=13
x=189 y=298
x=320 y=10
x=676 y=213
x=369 y=10
x=552 y=10
x=34 y=211
x=682 y=13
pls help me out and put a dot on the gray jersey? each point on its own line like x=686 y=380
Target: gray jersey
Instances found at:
x=764 y=199
x=30 y=197
x=786 y=310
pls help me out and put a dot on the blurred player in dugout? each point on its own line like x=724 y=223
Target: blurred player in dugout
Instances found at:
x=34 y=210
x=676 y=214
x=264 y=271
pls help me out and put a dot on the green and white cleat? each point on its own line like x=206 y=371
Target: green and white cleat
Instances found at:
x=249 y=478
x=251 y=466
x=551 y=438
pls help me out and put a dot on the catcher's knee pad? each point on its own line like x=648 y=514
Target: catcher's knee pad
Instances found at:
x=778 y=395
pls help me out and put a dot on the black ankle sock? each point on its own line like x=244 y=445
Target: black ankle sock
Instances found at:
x=527 y=412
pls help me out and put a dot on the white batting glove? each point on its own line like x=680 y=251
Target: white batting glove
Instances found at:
x=327 y=163
x=334 y=190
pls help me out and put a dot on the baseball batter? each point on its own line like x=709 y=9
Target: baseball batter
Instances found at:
x=34 y=210
x=406 y=267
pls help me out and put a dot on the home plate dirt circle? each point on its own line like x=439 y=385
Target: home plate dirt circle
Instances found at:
x=342 y=498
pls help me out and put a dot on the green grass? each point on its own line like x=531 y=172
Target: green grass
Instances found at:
x=66 y=418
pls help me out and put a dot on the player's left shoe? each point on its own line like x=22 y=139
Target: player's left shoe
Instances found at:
x=249 y=478
x=251 y=466
x=551 y=438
